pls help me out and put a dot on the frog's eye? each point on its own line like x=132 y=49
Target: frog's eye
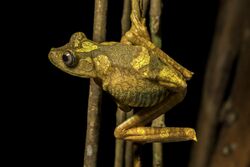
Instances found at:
x=69 y=59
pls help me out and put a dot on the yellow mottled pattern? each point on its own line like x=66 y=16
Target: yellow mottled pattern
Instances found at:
x=102 y=63
x=87 y=47
x=142 y=60
x=88 y=59
x=76 y=43
x=146 y=72
x=141 y=131
x=164 y=73
x=86 y=64
x=108 y=43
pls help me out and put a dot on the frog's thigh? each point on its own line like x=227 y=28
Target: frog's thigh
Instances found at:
x=132 y=128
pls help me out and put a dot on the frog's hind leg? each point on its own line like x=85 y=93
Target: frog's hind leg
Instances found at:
x=133 y=130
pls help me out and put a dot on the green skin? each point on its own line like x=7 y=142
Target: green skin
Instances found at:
x=129 y=86
x=136 y=73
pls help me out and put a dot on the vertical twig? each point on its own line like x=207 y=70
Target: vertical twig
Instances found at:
x=224 y=50
x=100 y=15
x=125 y=22
x=144 y=7
x=119 y=144
x=137 y=155
x=154 y=14
x=121 y=115
x=140 y=8
x=129 y=148
x=157 y=147
x=95 y=92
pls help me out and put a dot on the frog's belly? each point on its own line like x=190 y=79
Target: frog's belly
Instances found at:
x=137 y=93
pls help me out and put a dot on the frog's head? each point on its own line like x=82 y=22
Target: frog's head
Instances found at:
x=75 y=57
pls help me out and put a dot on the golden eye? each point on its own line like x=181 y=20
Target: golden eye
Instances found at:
x=69 y=59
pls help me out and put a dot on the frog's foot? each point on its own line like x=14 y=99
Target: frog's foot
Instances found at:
x=168 y=134
x=139 y=26
x=132 y=129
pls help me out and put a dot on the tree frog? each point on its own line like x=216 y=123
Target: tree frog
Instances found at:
x=136 y=73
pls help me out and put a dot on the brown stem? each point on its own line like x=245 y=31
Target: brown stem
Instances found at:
x=233 y=146
x=157 y=147
x=95 y=92
x=154 y=15
x=137 y=155
x=125 y=22
x=93 y=125
x=120 y=115
x=129 y=151
x=139 y=7
x=119 y=144
x=99 y=30
x=225 y=46
x=144 y=7
x=129 y=147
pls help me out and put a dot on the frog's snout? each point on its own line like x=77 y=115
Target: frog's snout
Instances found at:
x=52 y=55
x=52 y=49
x=52 y=52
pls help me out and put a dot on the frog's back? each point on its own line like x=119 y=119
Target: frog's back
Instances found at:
x=121 y=55
x=127 y=82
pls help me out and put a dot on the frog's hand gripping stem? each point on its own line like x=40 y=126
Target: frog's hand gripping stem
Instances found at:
x=138 y=25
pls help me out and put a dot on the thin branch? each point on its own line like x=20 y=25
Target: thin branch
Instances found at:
x=119 y=144
x=154 y=14
x=99 y=30
x=144 y=7
x=223 y=52
x=125 y=22
x=157 y=147
x=120 y=115
x=95 y=92
x=139 y=7
x=129 y=147
x=137 y=155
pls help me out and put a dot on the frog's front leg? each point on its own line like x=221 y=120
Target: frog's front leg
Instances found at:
x=138 y=26
x=138 y=35
x=132 y=129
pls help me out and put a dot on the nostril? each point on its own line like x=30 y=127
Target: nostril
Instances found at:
x=52 y=49
x=50 y=54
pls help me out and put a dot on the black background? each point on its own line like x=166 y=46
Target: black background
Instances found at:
x=56 y=103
